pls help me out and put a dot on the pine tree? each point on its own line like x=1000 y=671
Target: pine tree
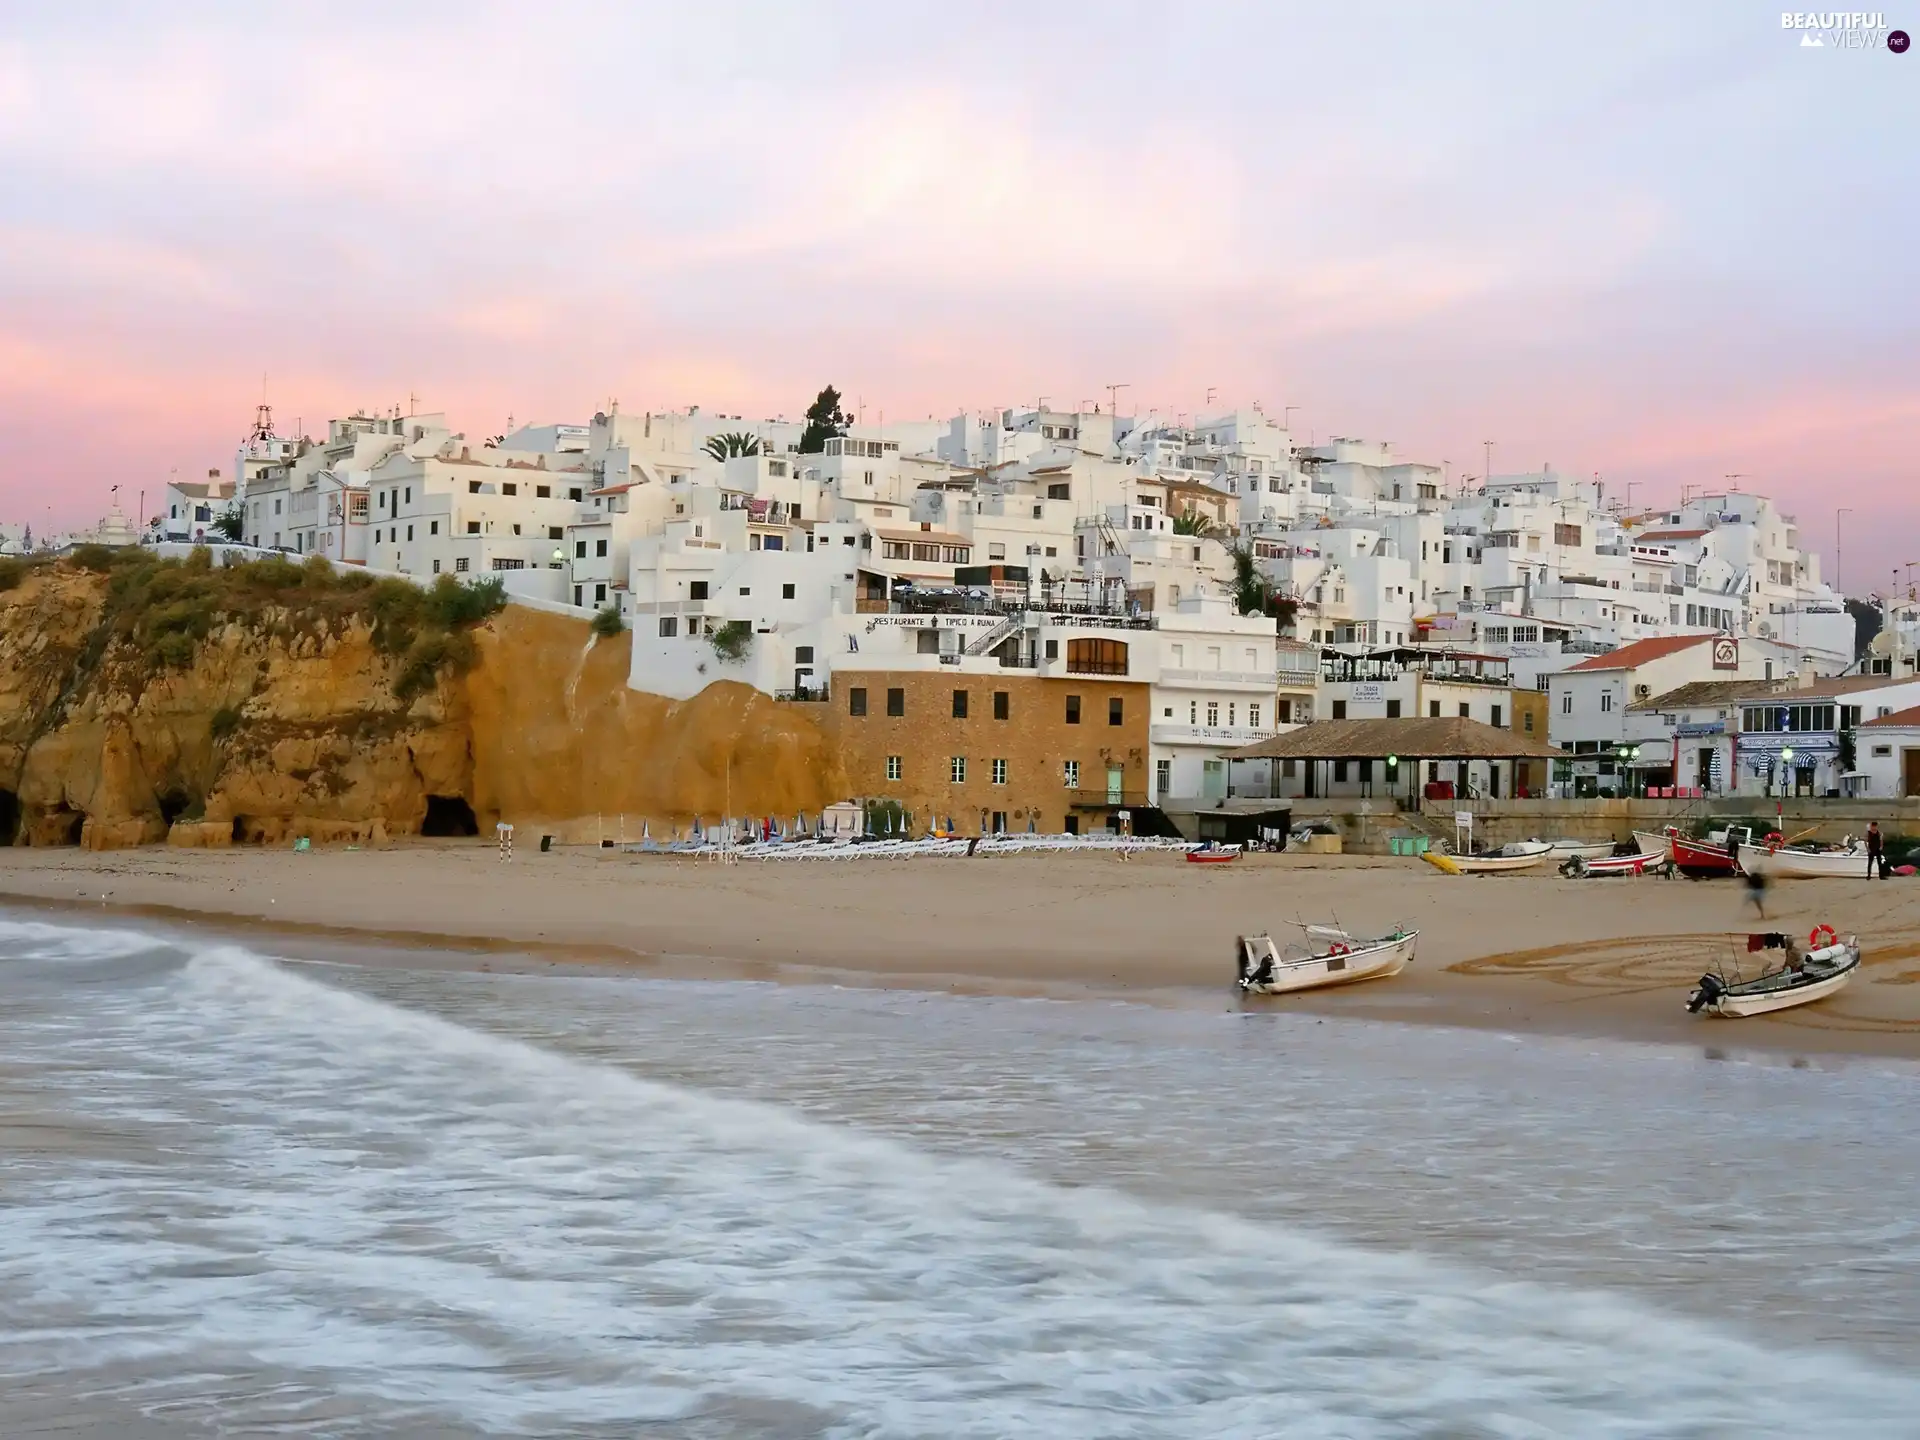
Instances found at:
x=825 y=419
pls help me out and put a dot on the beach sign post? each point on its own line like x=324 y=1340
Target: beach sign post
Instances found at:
x=505 y=833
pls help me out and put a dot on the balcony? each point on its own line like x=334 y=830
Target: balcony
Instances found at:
x=1107 y=799
x=807 y=694
x=1224 y=736
x=1226 y=679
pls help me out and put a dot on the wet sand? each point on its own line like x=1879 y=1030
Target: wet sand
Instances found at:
x=1522 y=953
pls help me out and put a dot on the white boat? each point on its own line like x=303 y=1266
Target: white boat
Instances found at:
x=1523 y=855
x=1330 y=957
x=1585 y=849
x=1790 y=862
x=1659 y=846
x=1800 y=980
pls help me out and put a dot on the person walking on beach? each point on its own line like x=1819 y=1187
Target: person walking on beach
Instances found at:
x=1876 y=848
x=1756 y=892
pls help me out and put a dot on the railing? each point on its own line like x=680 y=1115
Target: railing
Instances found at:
x=815 y=693
x=1169 y=733
x=1217 y=677
x=1106 y=799
x=1016 y=661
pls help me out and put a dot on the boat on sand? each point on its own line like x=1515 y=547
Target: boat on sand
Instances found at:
x=1329 y=956
x=1779 y=861
x=1522 y=855
x=1800 y=978
x=1211 y=854
x=1579 y=867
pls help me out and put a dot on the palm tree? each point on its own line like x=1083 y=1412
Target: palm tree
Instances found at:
x=731 y=443
x=1192 y=522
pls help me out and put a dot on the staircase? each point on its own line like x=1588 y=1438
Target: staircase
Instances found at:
x=994 y=637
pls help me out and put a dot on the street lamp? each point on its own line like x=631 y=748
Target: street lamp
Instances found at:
x=559 y=557
x=1786 y=765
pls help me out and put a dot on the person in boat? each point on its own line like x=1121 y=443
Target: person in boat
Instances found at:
x=1876 y=852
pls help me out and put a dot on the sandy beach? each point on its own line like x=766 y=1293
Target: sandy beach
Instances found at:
x=1526 y=953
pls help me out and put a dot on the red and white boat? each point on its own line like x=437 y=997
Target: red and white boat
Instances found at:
x=1693 y=858
x=1580 y=866
x=1210 y=854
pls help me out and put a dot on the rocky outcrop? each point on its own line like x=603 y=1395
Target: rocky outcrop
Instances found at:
x=286 y=726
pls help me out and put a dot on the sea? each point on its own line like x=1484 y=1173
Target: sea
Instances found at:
x=246 y=1195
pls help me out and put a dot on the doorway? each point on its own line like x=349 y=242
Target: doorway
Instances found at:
x=1213 y=780
x=1910 y=772
x=1116 y=784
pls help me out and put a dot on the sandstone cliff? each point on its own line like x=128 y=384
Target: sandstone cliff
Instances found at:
x=288 y=719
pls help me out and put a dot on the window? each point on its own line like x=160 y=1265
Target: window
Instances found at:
x=959 y=704
x=516 y=528
x=1253 y=716
x=1339 y=710
x=1116 y=711
x=999 y=772
x=670 y=627
x=436 y=567
x=1496 y=718
x=1566 y=703
x=1073 y=709
x=1070 y=770
x=1393 y=709
x=1097 y=657
x=554 y=532
x=1433 y=709
x=1606 y=702
x=1162 y=778
x=473 y=487
x=574 y=494
x=473 y=527
x=460 y=563
x=1464 y=712
x=407 y=495
x=600 y=594
x=543 y=492
x=509 y=488
x=1339 y=770
x=1528 y=719
x=786 y=592
x=996 y=552
x=893 y=767
x=1000 y=703
x=696 y=589
x=803 y=654
x=599 y=546
x=1053 y=649
x=1213 y=712
x=409 y=532
x=957 y=770
x=896 y=701
x=579 y=549
x=856 y=700
x=746 y=590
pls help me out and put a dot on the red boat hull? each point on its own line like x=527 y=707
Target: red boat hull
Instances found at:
x=1691 y=857
x=1212 y=857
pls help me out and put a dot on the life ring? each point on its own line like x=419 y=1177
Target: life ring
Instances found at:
x=1339 y=947
x=1814 y=940
x=1774 y=841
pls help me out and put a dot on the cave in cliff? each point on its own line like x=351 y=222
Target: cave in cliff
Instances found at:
x=449 y=815
x=9 y=816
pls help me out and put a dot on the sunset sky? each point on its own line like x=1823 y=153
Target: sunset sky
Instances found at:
x=1661 y=243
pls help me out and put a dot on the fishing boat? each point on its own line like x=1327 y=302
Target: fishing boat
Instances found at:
x=1659 y=846
x=1580 y=867
x=1522 y=855
x=1800 y=979
x=1211 y=854
x=1699 y=859
x=1780 y=861
x=1585 y=849
x=1330 y=956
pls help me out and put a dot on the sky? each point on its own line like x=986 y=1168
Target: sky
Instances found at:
x=1662 y=244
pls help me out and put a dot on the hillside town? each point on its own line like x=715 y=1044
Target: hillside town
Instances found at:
x=1067 y=620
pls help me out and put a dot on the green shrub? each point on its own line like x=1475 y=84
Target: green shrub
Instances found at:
x=429 y=656
x=199 y=560
x=732 y=641
x=97 y=558
x=607 y=623
x=317 y=572
x=452 y=603
x=12 y=572
x=226 y=720
x=396 y=606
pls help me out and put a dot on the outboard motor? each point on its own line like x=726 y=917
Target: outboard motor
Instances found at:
x=1711 y=988
x=1241 y=960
